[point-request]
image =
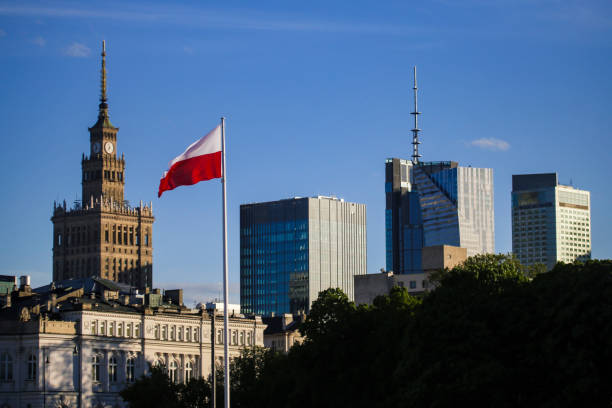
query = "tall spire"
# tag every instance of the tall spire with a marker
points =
(103, 77)
(103, 118)
(415, 130)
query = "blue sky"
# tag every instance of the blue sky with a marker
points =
(317, 95)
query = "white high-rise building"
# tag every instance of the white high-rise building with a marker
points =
(550, 222)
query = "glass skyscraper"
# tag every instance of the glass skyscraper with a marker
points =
(550, 222)
(290, 250)
(435, 203)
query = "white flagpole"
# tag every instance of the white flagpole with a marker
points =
(225, 276)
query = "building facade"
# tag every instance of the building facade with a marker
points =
(80, 343)
(550, 222)
(290, 250)
(283, 331)
(435, 203)
(102, 235)
(434, 258)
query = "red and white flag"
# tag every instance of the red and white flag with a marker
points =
(201, 161)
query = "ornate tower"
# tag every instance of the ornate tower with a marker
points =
(102, 235)
(103, 171)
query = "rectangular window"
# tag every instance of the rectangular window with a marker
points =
(95, 368)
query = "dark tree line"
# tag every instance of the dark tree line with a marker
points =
(490, 334)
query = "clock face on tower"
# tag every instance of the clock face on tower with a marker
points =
(108, 147)
(96, 147)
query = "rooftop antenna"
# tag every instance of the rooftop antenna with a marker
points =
(415, 130)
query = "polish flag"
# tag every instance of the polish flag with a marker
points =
(201, 161)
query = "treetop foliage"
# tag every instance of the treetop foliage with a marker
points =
(492, 333)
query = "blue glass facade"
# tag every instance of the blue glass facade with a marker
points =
(274, 258)
(435, 203)
(292, 249)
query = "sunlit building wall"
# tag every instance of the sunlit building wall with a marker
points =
(290, 250)
(436, 203)
(550, 222)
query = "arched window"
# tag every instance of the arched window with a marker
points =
(188, 371)
(112, 369)
(95, 368)
(130, 368)
(6, 367)
(173, 333)
(172, 370)
(31, 375)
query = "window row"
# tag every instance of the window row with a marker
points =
(115, 329)
(125, 235)
(173, 367)
(176, 333)
(112, 368)
(237, 337)
(6, 367)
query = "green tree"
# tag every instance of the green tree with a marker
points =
(328, 312)
(154, 390)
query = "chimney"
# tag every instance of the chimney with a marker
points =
(24, 282)
(287, 319)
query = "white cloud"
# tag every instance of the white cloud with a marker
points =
(188, 50)
(2, 33)
(237, 19)
(41, 42)
(77, 50)
(491, 143)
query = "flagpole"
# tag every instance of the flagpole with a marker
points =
(225, 276)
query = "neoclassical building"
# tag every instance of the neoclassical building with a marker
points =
(79, 342)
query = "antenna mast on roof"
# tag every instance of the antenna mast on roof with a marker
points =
(415, 130)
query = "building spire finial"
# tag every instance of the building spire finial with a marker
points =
(103, 99)
(415, 130)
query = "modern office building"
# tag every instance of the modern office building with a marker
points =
(550, 222)
(435, 203)
(102, 234)
(290, 250)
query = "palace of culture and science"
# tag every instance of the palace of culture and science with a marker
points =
(103, 236)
